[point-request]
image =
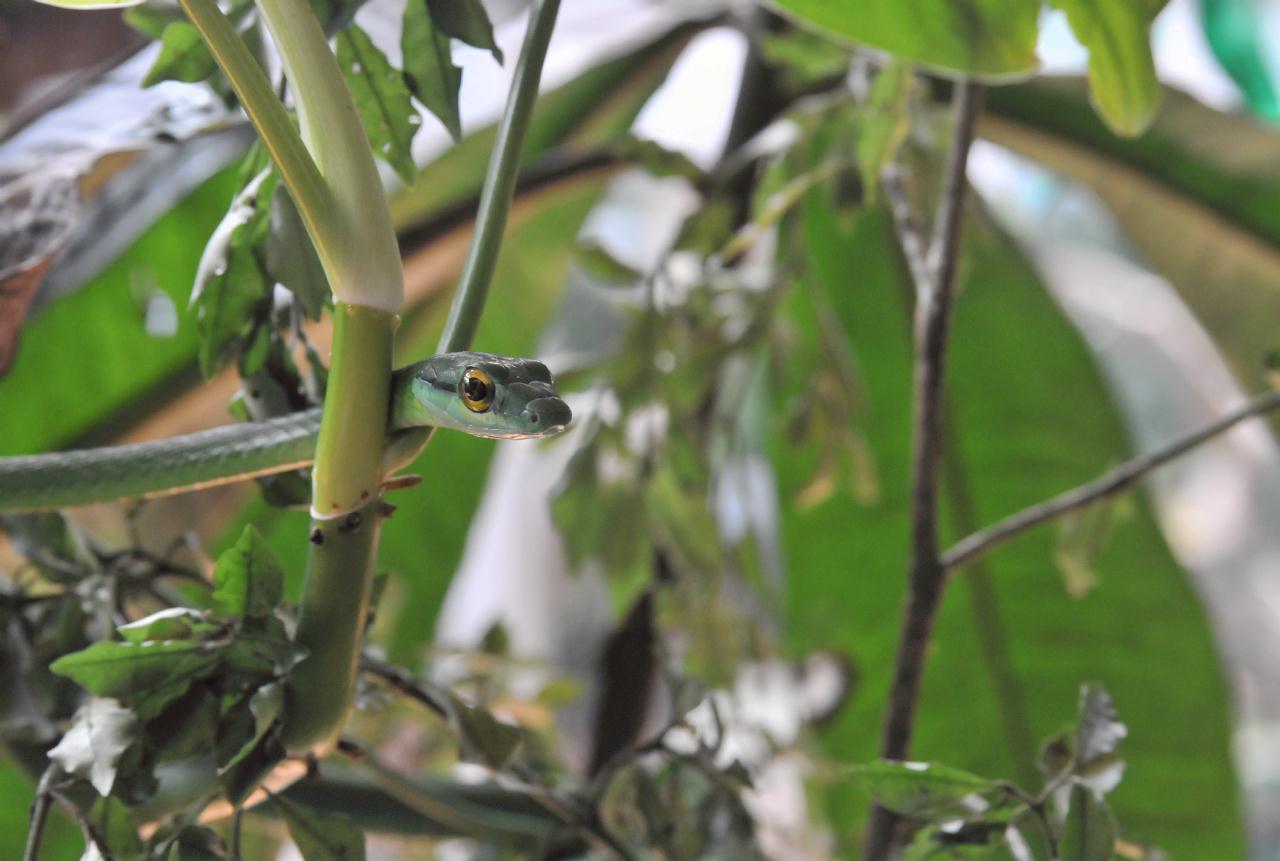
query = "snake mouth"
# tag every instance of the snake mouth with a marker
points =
(545, 416)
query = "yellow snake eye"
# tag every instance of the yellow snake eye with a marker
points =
(476, 390)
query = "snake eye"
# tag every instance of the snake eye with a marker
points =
(476, 390)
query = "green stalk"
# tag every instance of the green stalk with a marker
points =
(499, 182)
(345, 213)
(365, 244)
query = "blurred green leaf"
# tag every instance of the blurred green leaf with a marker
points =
(291, 257)
(1209, 178)
(1238, 37)
(328, 837)
(979, 710)
(173, 623)
(1122, 74)
(428, 66)
(248, 582)
(917, 788)
(381, 98)
(883, 123)
(467, 21)
(183, 56)
(975, 37)
(231, 290)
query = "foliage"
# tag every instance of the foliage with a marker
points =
(738, 483)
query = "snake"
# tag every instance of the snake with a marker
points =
(480, 394)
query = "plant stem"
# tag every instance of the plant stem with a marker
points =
(365, 258)
(1106, 485)
(499, 182)
(40, 813)
(347, 512)
(926, 576)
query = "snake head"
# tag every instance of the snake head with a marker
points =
(481, 394)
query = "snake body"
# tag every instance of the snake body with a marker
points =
(477, 393)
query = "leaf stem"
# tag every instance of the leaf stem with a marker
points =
(926, 575)
(365, 264)
(500, 182)
(1106, 485)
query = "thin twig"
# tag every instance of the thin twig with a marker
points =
(40, 813)
(1109, 484)
(926, 576)
(404, 683)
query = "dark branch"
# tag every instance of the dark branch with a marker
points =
(1109, 484)
(926, 575)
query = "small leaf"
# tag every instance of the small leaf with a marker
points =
(117, 827)
(883, 123)
(466, 21)
(231, 290)
(183, 56)
(484, 738)
(381, 98)
(99, 735)
(173, 623)
(917, 788)
(127, 671)
(428, 66)
(248, 582)
(1122, 75)
(292, 258)
(327, 837)
(1089, 833)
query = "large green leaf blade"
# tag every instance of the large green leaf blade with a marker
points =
(1208, 178)
(971, 37)
(1028, 417)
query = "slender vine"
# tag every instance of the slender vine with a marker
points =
(935, 297)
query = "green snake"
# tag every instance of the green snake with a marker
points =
(478, 393)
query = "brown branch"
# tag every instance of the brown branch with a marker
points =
(1108, 484)
(926, 575)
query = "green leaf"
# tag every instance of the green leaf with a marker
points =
(484, 738)
(231, 289)
(1011, 648)
(327, 837)
(127, 671)
(1089, 833)
(883, 123)
(467, 21)
(972, 37)
(174, 623)
(1122, 74)
(183, 56)
(917, 788)
(98, 737)
(291, 256)
(115, 824)
(428, 66)
(381, 98)
(248, 582)
(1209, 178)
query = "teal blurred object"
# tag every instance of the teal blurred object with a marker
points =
(1235, 32)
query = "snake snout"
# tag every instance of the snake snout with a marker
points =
(547, 415)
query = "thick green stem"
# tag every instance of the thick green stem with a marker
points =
(346, 514)
(366, 257)
(500, 182)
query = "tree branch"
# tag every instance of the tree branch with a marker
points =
(926, 575)
(1108, 484)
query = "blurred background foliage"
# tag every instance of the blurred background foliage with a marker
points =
(702, 249)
